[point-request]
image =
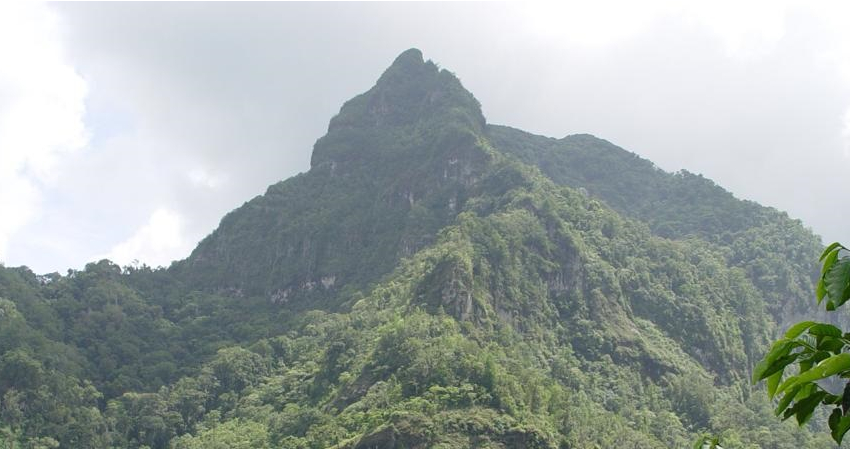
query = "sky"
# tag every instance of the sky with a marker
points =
(128, 130)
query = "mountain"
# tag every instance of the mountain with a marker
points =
(433, 280)
(778, 253)
(394, 168)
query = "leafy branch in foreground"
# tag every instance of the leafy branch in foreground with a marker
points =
(707, 441)
(820, 352)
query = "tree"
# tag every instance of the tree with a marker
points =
(236, 368)
(234, 433)
(819, 351)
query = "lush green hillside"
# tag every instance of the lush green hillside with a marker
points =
(431, 281)
(778, 253)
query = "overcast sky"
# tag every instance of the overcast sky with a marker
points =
(127, 130)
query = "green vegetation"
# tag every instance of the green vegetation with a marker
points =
(432, 281)
(819, 352)
(777, 253)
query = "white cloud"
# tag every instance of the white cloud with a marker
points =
(41, 111)
(745, 29)
(846, 134)
(18, 197)
(199, 107)
(203, 178)
(596, 23)
(742, 28)
(156, 243)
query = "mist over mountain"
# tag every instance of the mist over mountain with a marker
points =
(433, 280)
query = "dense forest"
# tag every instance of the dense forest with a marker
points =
(433, 280)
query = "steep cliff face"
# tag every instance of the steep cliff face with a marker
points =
(396, 165)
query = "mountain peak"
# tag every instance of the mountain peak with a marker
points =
(411, 93)
(411, 90)
(409, 58)
(409, 65)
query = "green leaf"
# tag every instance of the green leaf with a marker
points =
(804, 408)
(828, 262)
(809, 362)
(780, 349)
(829, 249)
(831, 344)
(798, 329)
(831, 399)
(837, 281)
(828, 367)
(821, 290)
(699, 442)
(779, 366)
(807, 390)
(838, 424)
(845, 398)
(825, 329)
(834, 418)
(773, 383)
(812, 360)
(707, 441)
(786, 400)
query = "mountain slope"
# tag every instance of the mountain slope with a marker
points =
(778, 253)
(431, 281)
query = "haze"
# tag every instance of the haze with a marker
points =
(127, 130)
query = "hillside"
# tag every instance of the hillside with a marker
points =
(432, 280)
(778, 253)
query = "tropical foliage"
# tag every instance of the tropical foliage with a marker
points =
(819, 352)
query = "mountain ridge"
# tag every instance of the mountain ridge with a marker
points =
(432, 280)
(433, 142)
